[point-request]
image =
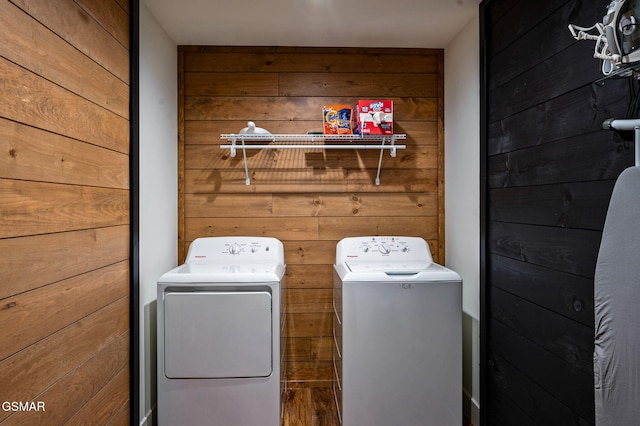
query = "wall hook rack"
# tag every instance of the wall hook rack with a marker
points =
(309, 141)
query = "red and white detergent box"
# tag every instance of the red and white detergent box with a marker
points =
(374, 117)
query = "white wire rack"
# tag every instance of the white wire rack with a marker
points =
(311, 141)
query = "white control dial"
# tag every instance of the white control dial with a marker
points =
(383, 249)
(235, 248)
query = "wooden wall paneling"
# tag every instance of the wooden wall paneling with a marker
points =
(355, 204)
(291, 108)
(124, 4)
(208, 132)
(264, 181)
(32, 370)
(113, 16)
(585, 158)
(231, 84)
(35, 208)
(54, 257)
(72, 23)
(510, 20)
(220, 205)
(557, 377)
(566, 294)
(572, 205)
(204, 157)
(362, 85)
(440, 256)
(527, 50)
(310, 373)
(573, 114)
(532, 87)
(310, 276)
(310, 324)
(392, 180)
(107, 404)
(38, 49)
(37, 155)
(511, 384)
(308, 198)
(29, 99)
(182, 178)
(564, 249)
(337, 228)
(549, 174)
(310, 291)
(75, 389)
(504, 412)
(65, 195)
(568, 339)
(281, 228)
(309, 60)
(309, 300)
(123, 415)
(36, 314)
(310, 348)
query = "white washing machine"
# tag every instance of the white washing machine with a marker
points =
(219, 333)
(398, 334)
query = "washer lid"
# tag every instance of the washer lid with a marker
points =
(351, 271)
(388, 258)
(389, 268)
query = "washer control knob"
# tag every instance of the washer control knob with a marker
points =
(383, 249)
(234, 248)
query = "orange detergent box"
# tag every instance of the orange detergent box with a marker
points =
(337, 119)
(374, 117)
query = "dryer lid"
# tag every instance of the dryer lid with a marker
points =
(215, 272)
(230, 260)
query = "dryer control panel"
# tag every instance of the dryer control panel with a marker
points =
(247, 250)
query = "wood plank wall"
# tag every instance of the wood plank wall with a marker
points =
(550, 172)
(64, 210)
(308, 199)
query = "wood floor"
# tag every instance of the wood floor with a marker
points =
(309, 406)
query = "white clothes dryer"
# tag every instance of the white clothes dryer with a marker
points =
(219, 331)
(398, 334)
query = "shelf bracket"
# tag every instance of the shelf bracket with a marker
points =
(247, 179)
(232, 149)
(380, 161)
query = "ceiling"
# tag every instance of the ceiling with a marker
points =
(329, 23)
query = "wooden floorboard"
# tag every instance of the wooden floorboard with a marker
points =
(309, 407)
